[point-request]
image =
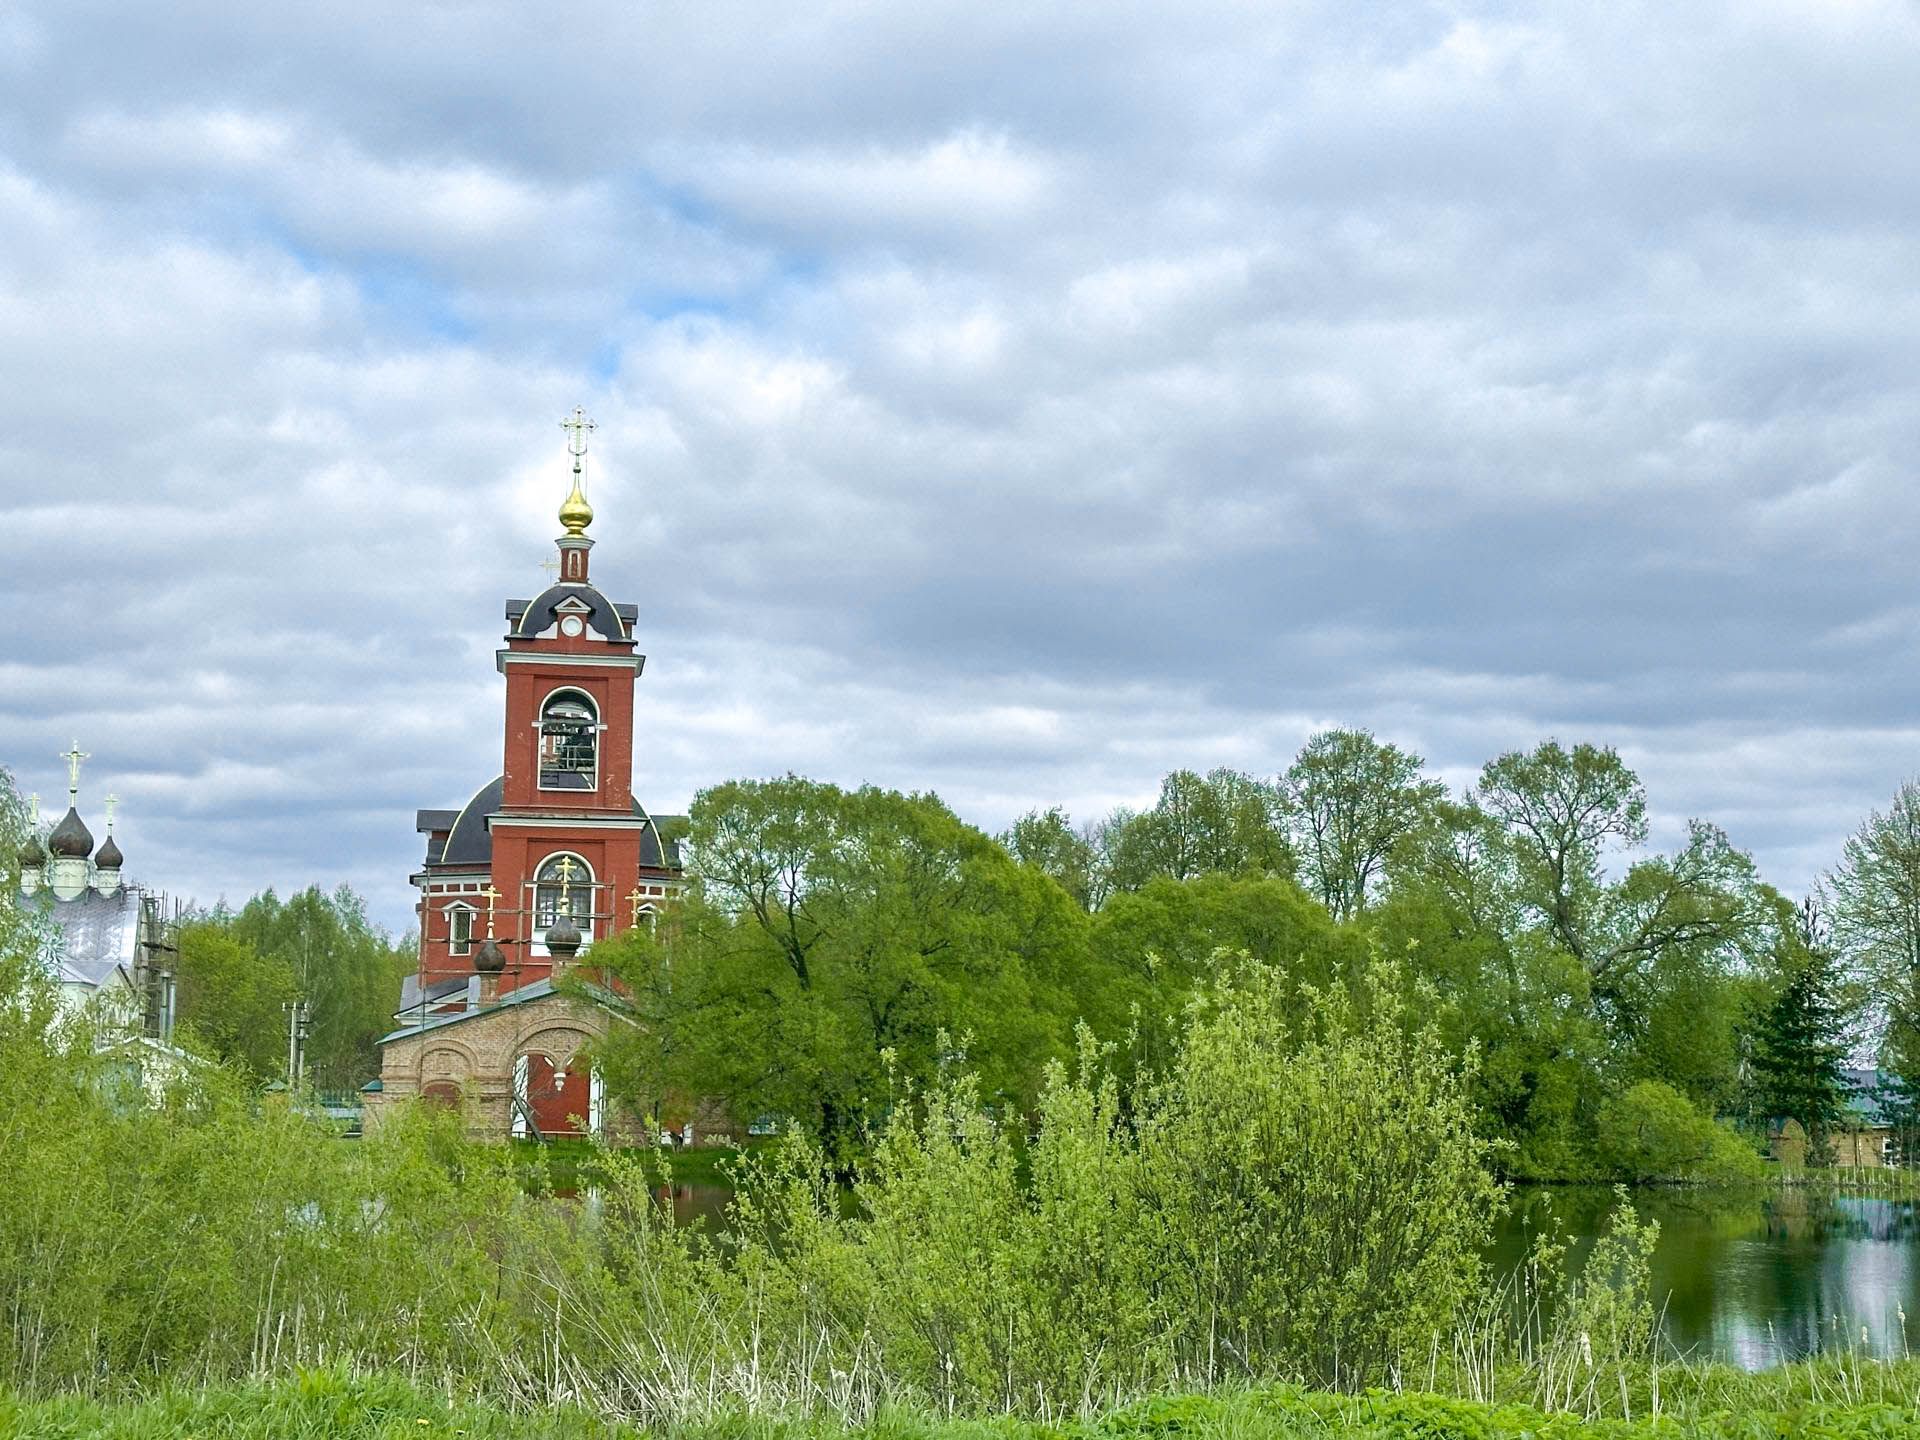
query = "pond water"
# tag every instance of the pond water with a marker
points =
(1755, 1277)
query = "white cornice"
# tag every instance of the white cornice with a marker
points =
(503, 658)
(569, 822)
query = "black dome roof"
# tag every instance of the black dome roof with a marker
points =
(602, 614)
(70, 837)
(109, 857)
(30, 852)
(489, 959)
(470, 844)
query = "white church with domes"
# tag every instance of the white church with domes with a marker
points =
(107, 943)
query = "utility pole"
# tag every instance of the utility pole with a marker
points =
(299, 1026)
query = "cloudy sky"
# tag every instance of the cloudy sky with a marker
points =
(1015, 401)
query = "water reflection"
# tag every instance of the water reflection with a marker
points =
(703, 1205)
(1755, 1277)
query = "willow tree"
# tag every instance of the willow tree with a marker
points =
(835, 946)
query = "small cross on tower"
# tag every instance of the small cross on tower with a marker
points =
(566, 883)
(493, 897)
(73, 758)
(635, 900)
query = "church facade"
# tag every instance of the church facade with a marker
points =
(553, 853)
(107, 943)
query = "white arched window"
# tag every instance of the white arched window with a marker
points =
(459, 928)
(569, 742)
(579, 891)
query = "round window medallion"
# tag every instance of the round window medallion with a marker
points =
(571, 626)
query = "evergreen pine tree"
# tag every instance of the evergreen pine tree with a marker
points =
(1801, 1040)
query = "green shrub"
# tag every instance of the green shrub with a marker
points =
(1653, 1132)
(1316, 1201)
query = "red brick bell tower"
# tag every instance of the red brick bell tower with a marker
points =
(559, 833)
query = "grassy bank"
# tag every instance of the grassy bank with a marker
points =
(1825, 1401)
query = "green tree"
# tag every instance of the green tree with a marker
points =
(1560, 812)
(1801, 1040)
(1501, 987)
(1652, 1132)
(1223, 821)
(830, 939)
(345, 966)
(1575, 982)
(1875, 902)
(13, 833)
(234, 999)
(1151, 949)
(1047, 841)
(1348, 801)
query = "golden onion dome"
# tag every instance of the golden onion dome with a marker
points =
(575, 513)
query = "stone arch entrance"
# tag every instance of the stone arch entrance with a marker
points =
(551, 1095)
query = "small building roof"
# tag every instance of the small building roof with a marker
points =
(99, 934)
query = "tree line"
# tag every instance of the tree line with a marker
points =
(1630, 1011)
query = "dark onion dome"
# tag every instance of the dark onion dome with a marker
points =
(611, 620)
(109, 857)
(563, 938)
(71, 838)
(489, 959)
(30, 853)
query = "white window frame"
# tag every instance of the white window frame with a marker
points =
(540, 742)
(455, 945)
(584, 886)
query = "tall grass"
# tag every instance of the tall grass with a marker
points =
(1300, 1200)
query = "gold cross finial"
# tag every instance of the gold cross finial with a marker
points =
(578, 427)
(33, 810)
(493, 896)
(112, 801)
(73, 758)
(575, 513)
(566, 881)
(635, 899)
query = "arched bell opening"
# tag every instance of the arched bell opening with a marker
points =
(569, 742)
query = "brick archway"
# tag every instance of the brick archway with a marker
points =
(553, 1095)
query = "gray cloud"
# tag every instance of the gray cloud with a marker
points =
(1012, 403)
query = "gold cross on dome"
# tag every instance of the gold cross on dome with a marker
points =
(33, 813)
(566, 881)
(493, 896)
(113, 802)
(73, 758)
(636, 900)
(578, 427)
